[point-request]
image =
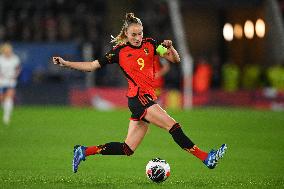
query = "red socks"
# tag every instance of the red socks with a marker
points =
(92, 150)
(198, 153)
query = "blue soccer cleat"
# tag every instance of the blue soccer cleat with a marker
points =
(79, 155)
(214, 156)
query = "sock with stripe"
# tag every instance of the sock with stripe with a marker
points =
(112, 148)
(185, 143)
(198, 153)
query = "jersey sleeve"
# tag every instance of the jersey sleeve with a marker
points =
(109, 58)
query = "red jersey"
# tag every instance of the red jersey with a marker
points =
(137, 64)
(159, 82)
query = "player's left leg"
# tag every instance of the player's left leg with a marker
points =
(8, 104)
(158, 116)
(136, 133)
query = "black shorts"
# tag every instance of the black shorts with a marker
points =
(138, 106)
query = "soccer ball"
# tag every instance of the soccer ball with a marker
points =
(157, 170)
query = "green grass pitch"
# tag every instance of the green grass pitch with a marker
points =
(36, 149)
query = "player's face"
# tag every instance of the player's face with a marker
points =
(134, 34)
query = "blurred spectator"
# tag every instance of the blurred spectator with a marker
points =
(251, 76)
(2, 32)
(275, 75)
(9, 71)
(48, 21)
(50, 27)
(202, 76)
(231, 76)
(64, 28)
(216, 69)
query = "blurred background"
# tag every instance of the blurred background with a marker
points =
(232, 51)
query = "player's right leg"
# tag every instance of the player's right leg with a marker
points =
(136, 133)
(156, 115)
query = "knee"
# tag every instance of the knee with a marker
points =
(170, 122)
(127, 150)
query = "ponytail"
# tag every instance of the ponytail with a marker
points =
(121, 37)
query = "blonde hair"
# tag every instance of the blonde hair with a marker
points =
(6, 46)
(121, 37)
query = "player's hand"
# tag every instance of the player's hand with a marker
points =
(58, 60)
(167, 43)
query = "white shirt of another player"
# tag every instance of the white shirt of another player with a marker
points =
(8, 70)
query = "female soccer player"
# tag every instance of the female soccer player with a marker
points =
(9, 71)
(135, 57)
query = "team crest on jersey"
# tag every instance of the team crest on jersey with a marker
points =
(146, 50)
(109, 57)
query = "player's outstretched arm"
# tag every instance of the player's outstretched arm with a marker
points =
(171, 55)
(82, 66)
